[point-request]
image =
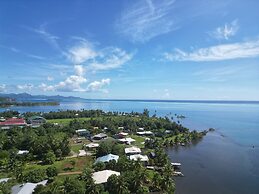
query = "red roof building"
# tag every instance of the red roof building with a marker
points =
(13, 122)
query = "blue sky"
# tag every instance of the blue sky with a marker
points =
(150, 49)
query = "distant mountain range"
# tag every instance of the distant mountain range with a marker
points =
(29, 97)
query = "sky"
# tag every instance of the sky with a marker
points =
(131, 49)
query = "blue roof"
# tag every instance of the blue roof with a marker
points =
(107, 158)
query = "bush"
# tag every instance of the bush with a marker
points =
(34, 176)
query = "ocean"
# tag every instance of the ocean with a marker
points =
(225, 161)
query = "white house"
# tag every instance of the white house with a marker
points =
(142, 158)
(132, 150)
(102, 176)
(27, 188)
(127, 140)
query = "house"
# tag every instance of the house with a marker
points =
(92, 145)
(127, 140)
(107, 158)
(99, 136)
(3, 180)
(12, 122)
(141, 129)
(82, 153)
(36, 120)
(83, 132)
(21, 152)
(136, 157)
(132, 150)
(122, 134)
(102, 176)
(147, 133)
(27, 188)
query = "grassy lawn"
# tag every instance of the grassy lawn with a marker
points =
(65, 121)
(76, 147)
(66, 165)
(138, 141)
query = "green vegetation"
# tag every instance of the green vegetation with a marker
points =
(14, 103)
(53, 152)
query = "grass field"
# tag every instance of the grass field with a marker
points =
(66, 165)
(65, 121)
(138, 141)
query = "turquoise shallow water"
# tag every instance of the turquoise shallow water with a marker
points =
(225, 161)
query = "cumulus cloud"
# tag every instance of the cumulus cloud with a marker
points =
(50, 78)
(226, 31)
(145, 20)
(98, 85)
(70, 84)
(25, 87)
(81, 52)
(217, 53)
(46, 87)
(2, 87)
(79, 70)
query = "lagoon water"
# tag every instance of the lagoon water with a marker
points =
(223, 162)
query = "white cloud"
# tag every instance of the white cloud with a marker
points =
(98, 85)
(2, 87)
(110, 58)
(79, 69)
(81, 52)
(35, 56)
(166, 93)
(25, 87)
(48, 37)
(226, 31)
(46, 88)
(217, 53)
(93, 59)
(50, 78)
(145, 20)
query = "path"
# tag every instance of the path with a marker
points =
(69, 173)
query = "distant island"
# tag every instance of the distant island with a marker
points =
(7, 102)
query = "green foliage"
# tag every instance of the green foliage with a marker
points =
(49, 158)
(117, 185)
(99, 166)
(73, 186)
(51, 171)
(34, 176)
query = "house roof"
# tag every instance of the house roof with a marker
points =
(132, 150)
(82, 130)
(128, 139)
(92, 145)
(100, 135)
(13, 121)
(20, 152)
(4, 180)
(144, 132)
(82, 153)
(107, 158)
(36, 117)
(27, 188)
(123, 133)
(102, 176)
(142, 158)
